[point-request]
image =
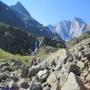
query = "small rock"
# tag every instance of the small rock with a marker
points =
(42, 75)
(3, 64)
(25, 72)
(88, 77)
(85, 73)
(46, 86)
(35, 86)
(81, 64)
(75, 69)
(34, 70)
(25, 85)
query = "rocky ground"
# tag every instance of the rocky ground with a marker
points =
(66, 69)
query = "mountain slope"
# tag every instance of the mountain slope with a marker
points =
(18, 16)
(15, 40)
(9, 17)
(31, 25)
(63, 28)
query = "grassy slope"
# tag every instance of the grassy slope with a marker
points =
(77, 40)
(8, 56)
(41, 54)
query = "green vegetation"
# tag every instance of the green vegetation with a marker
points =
(16, 44)
(41, 54)
(44, 52)
(77, 40)
(15, 40)
(8, 56)
(54, 43)
(5, 55)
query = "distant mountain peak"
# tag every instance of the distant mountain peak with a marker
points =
(19, 4)
(79, 20)
(68, 29)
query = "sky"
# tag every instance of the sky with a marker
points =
(53, 11)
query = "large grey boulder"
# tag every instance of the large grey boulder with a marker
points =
(57, 79)
(73, 83)
(59, 57)
(35, 69)
(52, 80)
(62, 74)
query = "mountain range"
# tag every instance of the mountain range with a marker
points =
(18, 16)
(70, 29)
(21, 33)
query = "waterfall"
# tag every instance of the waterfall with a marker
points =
(37, 44)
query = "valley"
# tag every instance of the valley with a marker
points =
(38, 57)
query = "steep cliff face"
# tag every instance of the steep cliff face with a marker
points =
(78, 27)
(9, 17)
(15, 40)
(71, 29)
(32, 25)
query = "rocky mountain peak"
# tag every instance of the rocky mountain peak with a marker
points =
(19, 8)
(78, 19)
(2, 5)
(19, 3)
(69, 29)
(78, 26)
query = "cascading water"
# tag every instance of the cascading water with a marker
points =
(36, 45)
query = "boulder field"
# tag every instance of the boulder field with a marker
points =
(65, 69)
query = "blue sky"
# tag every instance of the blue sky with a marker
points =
(52, 11)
